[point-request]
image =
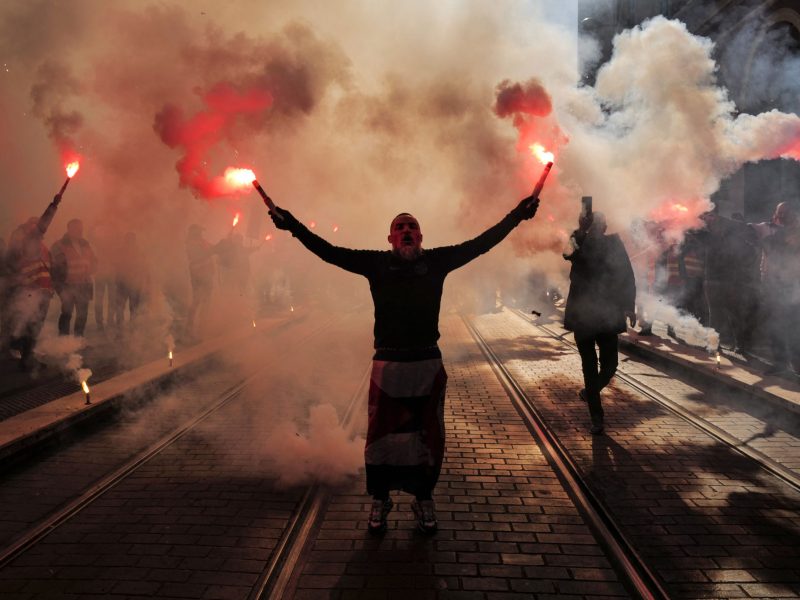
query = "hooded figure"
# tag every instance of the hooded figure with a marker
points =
(602, 293)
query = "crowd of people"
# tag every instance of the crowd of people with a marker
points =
(32, 274)
(740, 279)
(109, 269)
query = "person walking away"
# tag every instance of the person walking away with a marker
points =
(131, 278)
(74, 263)
(29, 263)
(405, 432)
(602, 294)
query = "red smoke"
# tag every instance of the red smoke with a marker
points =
(54, 87)
(200, 133)
(519, 99)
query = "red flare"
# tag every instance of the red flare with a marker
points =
(72, 168)
(542, 155)
(238, 179)
(312, 224)
(235, 220)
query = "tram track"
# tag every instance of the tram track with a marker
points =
(641, 581)
(279, 571)
(67, 511)
(765, 462)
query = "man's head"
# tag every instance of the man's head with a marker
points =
(784, 215)
(405, 236)
(599, 224)
(75, 229)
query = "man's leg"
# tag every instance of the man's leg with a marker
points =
(588, 355)
(609, 358)
(67, 306)
(33, 326)
(82, 298)
(100, 290)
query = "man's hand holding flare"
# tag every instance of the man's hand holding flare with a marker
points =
(268, 201)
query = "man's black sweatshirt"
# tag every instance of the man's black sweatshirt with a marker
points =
(407, 293)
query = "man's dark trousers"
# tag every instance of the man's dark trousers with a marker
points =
(594, 379)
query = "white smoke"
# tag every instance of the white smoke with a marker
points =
(687, 327)
(63, 353)
(325, 453)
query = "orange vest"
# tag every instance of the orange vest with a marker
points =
(34, 272)
(674, 278)
(693, 265)
(79, 264)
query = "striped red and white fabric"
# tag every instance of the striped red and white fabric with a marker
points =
(405, 433)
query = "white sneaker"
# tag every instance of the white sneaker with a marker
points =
(377, 515)
(425, 511)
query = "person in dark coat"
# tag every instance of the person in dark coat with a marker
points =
(405, 432)
(602, 293)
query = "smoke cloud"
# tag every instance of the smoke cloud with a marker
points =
(350, 114)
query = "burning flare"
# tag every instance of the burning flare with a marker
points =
(72, 168)
(268, 238)
(239, 180)
(85, 387)
(541, 154)
(235, 220)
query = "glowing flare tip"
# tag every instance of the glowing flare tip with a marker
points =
(239, 179)
(236, 220)
(85, 387)
(541, 154)
(72, 168)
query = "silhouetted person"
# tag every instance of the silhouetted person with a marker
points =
(234, 262)
(780, 280)
(201, 273)
(731, 278)
(74, 263)
(130, 278)
(602, 293)
(405, 435)
(105, 240)
(28, 262)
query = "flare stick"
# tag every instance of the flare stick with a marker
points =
(267, 200)
(64, 187)
(540, 184)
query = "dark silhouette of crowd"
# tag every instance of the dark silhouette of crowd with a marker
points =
(741, 279)
(31, 274)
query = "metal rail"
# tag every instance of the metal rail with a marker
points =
(765, 462)
(106, 483)
(277, 575)
(640, 580)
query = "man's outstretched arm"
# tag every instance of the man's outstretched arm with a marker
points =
(459, 255)
(355, 261)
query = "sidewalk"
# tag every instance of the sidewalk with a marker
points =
(32, 427)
